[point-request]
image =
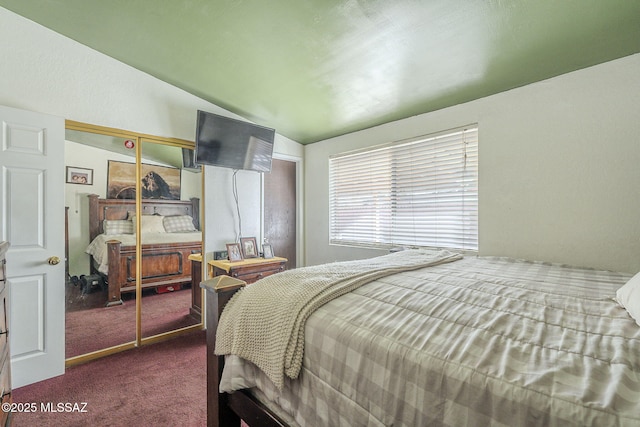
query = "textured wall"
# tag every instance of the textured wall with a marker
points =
(558, 171)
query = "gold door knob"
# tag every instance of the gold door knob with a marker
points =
(54, 260)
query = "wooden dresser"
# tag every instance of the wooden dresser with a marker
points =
(5, 362)
(249, 270)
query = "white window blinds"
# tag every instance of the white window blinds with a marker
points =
(420, 192)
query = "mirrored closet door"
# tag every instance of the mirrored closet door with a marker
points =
(171, 237)
(116, 269)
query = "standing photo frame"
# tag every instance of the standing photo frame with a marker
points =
(267, 251)
(249, 247)
(234, 251)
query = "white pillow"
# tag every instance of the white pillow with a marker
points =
(150, 223)
(628, 296)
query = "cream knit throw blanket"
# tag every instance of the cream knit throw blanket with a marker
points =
(264, 322)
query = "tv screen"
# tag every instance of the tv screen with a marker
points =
(231, 143)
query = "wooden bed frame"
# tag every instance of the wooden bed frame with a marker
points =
(163, 264)
(227, 409)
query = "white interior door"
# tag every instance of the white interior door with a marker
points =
(32, 220)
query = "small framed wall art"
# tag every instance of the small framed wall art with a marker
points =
(79, 175)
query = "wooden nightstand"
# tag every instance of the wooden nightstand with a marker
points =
(249, 270)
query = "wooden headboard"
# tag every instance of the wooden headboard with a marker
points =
(101, 209)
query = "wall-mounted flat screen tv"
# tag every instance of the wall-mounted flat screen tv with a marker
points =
(231, 143)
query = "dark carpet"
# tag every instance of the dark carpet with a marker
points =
(91, 326)
(162, 384)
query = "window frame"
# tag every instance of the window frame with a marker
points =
(449, 157)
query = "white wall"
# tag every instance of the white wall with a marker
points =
(45, 72)
(559, 171)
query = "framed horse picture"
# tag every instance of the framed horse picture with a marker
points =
(158, 182)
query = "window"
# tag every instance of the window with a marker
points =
(418, 192)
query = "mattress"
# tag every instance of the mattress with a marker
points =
(98, 247)
(480, 341)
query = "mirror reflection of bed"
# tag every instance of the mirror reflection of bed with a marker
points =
(101, 299)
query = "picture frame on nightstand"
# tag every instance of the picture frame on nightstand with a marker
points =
(234, 251)
(249, 247)
(267, 251)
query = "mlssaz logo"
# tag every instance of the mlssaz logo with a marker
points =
(63, 407)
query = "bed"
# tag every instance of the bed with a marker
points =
(460, 341)
(165, 250)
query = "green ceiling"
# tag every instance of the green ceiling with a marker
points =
(313, 69)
